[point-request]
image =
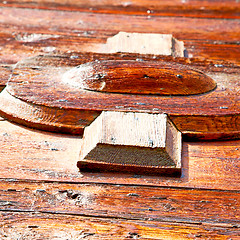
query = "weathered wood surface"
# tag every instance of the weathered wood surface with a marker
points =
(196, 8)
(5, 71)
(33, 226)
(134, 77)
(143, 43)
(137, 143)
(30, 154)
(123, 202)
(51, 107)
(210, 31)
(206, 38)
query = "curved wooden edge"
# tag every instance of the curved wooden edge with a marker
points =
(70, 121)
(135, 77)
(45, 118)
(208, 127)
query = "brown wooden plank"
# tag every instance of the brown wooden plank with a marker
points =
(123, 202)
(221, 126)
(181, 28)
(105, 211)
(21, 43)
(47, 226)
(196, 8)
(214, 50)
(28, 154)
(14, 50)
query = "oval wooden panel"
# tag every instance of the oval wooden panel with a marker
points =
(40, 82)
(138, 77)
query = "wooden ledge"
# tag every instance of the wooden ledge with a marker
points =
(131, 143)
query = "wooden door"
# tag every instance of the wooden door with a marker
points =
(43, 193)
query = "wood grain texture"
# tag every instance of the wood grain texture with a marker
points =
(62, 91)
(207, 128)
(32, 72)
(210, 31)
(227, 72)
(137, 143)
(196, 8)
(143, 43)
(28, 154)
(213, 50)
(134, 77)
(123, 202)
(23, 43)
(21, 39)
(46, 226)
(5, 71)
(45, 118)
(72, 23)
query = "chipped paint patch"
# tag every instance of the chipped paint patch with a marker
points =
(35, 37)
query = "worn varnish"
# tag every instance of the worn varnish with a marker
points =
(53, 157)
(196, 8)
(124, 202)
(64, 92)
(47, 226)
(202, 204)
(132, 77)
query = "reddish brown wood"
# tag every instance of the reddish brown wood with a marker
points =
(46, 226)
(196, 8)
(207, 128)
(214, 50)
(152, 77)
(28, 74)
(5, 71)
(57, 93)
(51, 119)
(30, 154)
(74, 23)
(15, 49)
(210, 31)
(124, 202)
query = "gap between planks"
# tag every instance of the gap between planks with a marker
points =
(224, 225)
(18, 180)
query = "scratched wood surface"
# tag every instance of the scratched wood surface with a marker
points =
(196, 8)
(31, 154)
(31, 225)
(42, 193)
(211, 115)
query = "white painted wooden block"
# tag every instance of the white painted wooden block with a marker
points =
(140, 139)
(143, 43)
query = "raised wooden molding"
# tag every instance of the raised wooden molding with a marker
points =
(51, 119)
(133, 143)
(136, 77)
(43, 93)
(143, 43)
